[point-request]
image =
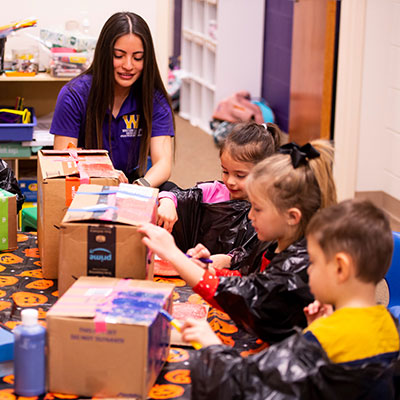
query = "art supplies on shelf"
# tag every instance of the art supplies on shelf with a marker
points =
(68, 63)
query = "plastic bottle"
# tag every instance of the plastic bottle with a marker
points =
(29, 355)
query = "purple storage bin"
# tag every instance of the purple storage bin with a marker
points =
(18, 132)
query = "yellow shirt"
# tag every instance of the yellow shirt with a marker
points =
(353, 334)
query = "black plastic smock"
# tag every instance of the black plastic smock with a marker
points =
(295, 368)
(9, 182)
(270, 304)
(220, 227)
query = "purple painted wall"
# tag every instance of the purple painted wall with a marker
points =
(177, 28)
(277, 58)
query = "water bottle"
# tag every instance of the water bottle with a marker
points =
(29, 355)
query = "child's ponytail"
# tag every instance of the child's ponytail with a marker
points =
(322, 170)
(276, 134)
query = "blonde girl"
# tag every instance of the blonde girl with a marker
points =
(285, 191)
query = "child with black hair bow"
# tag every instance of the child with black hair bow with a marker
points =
(285, 191)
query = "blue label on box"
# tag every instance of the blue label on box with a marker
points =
(29, 189)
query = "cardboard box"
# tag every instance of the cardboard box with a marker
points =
(8, 220)
(59, 175)
(99, 237)
(107, 338)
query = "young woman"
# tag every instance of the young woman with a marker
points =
(120, 104)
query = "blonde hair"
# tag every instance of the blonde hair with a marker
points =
(308, 187)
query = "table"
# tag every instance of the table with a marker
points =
(22, 285)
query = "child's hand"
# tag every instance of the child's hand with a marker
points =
(200, 251)
(317, 310)
(158, 240)
(221, 261)
(199, 331)
(167, 215)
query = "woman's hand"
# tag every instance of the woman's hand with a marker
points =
(199, 331)
(167, 215)
(317, 310)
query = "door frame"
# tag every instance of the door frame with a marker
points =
(349, 95)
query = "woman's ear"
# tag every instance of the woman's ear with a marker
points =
(293, 216)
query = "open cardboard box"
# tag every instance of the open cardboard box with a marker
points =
(59, 174)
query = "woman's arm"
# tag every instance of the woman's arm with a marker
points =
(161, 159)
(62, 142)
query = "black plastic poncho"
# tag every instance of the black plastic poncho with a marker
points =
(220, 227)
(270, 304)
(9, 182)
(293, 369)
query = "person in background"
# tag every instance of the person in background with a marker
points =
(245, 146)
(285, 191)
(120, 104)
(346, 353)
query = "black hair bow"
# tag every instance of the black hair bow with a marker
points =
(299, 155)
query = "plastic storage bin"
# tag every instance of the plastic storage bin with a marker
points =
(18, 132)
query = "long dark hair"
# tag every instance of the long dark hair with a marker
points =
(252, 142)
(101, 95)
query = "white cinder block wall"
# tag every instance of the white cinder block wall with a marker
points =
(379, 141)
(51, 14)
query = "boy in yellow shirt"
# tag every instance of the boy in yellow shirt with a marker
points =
(349, 353)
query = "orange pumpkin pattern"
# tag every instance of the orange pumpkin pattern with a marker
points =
(21, 237)
(32, 253)
(174, 281)
(177, 354)
(4, 305)
(181, 376)
(10, 258)
(34, 273)
(22, 283)
(28, 299)
(7, 280)
(9, 379)
(40, 284)
(166, 391)
(7, 394)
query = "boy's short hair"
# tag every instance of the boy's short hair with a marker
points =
(360, 229)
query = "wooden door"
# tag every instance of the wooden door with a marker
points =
(312, 70)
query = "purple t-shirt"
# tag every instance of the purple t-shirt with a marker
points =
(70, 116)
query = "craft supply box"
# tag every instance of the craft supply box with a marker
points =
(106, 337)
(99, 237)
(59, 175)
(8, 220)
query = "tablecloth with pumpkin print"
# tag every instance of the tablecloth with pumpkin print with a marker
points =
(22, 285)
